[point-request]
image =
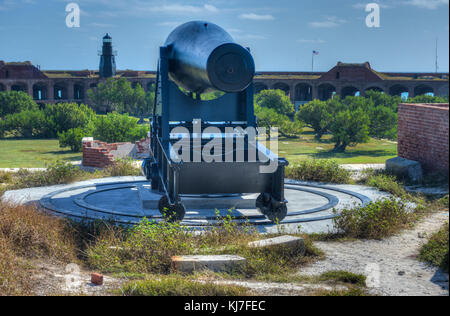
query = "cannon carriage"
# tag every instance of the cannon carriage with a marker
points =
(200, 57)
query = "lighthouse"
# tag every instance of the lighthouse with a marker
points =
(107, 59)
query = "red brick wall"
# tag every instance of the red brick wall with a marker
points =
(423, 134)
(98, 154)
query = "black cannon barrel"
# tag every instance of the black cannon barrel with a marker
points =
(203, 57)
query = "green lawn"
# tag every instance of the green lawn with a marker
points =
(376, 151)
(36, 153)
(33, 153)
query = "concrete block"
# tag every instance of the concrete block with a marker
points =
(405, 168)
(291, 242)
(223, 263)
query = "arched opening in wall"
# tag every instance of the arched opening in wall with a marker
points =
(260, 87)
(40, 91)
(60, 91)
(350, 92)
(326, 91)
(2, 87)
(399, 90)
(442, 91)
(303, 92)
(283, 87)
(19, 87)
(376, 89)
(134, 84)
(78, 91)
(423, 89)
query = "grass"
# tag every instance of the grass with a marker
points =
(307, 148)
(36, 153)
(436, 250)
(62, 173)
(344, 277)
(179, 286)
(25, 235)
(148, 248)
(341, 293)
(33, 153)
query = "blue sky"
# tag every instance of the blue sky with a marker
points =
(282, 34)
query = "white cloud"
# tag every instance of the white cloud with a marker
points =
(329, 22)
(256, 17)
(427, 4)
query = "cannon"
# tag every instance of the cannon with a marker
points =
(197, 58)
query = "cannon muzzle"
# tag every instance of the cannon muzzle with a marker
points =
(203, 57)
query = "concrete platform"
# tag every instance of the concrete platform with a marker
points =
(291, 242)
(224, 263)
(121, 200)
(150, 200)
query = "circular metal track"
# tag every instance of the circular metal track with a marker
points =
(82, 210)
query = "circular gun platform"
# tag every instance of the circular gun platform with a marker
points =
(129, 202)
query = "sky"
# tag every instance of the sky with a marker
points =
(281, 34)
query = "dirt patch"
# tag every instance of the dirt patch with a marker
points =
(391, 264)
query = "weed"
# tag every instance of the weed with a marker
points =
(318, 170)
(178, 286)
(377, 220)
(436, 251)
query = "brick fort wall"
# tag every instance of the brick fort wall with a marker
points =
(423, 135)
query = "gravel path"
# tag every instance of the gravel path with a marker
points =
(390, 265)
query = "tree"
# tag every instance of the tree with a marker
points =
(115, 127)
(117, 95)
(275, 99)
(269, 119)
(350, 128)
(15, 102)
(316, 115)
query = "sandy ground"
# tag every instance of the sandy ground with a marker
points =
(390, 265)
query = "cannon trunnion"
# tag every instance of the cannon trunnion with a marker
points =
(201, 57)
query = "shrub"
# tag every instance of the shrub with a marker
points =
(15, 102)
(177, 286)
(436, 251)
(72, 138)
(122, 168)
(318, 170)
(377, 220)
(114, 128)
(65, 116)
(28, 124)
